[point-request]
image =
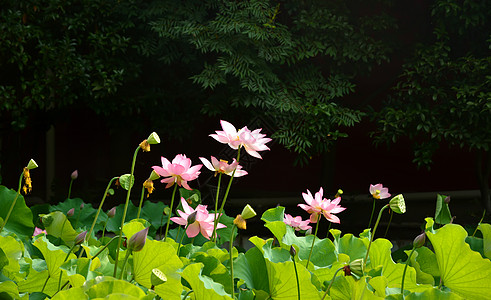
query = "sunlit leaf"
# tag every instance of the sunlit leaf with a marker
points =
(486, 234)
(203, 287)
(57, 225)
(20, 220)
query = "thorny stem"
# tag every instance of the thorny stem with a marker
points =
(170, 212)
(404, 272)
(332, 281)
(374, 229)
(313, 240)
(13, 203)
(125, 210)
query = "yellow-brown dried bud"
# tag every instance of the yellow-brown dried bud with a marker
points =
(145, 146)
(240, 222)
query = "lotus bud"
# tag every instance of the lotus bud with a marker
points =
(248, 212)
(447, 200)
(32, 165)
(74, 175)
(80, 237)
(419, 241)
(153, 138)
(397, 204)
(154, 175)
(82, 206)
(240, 222)
(112, 212)
(137, 241)
(157, 277)
(71, 212)
(192, 217)
(293, 251)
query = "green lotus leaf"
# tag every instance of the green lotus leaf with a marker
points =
(81, 218)
(347, 288)
(114, 287)
(274, 214)
(80, 266)
(8, 290)
(3, 259)
(442, 211)
(57, 225)
(214, 269)
(462, 270)
(251, 268)
(20, 220)
(421, 277)
(12, 250)
(427, 261)
(71, 294)
(153, 212)
(224, 233)
(380, 255)
(433, 293)
(113, 224)
(203, 287)
(349, 244)
(476, 244)
(126, 181)
(378, 285)
(486, 234)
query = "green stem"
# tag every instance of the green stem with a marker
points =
(404, 273)
(215, 222)
(125, 210)
(483, 214)
(182, 237)
(217, 219)
(332, 281)
(187, 294)
(70, 189)
(170, 212)
(104, 230)
(296, 275)
(98, 211)
(374, 229)
(105, 246)
(232, 260)
(371, 216)
(45, 282)
(388, 225)
(61, 271)
(62, 226)
(141, 202)
(128, 252)
(328, 228)
(13, 203)
(313, 240)
(78, 217)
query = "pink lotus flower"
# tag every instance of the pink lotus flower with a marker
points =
(203, 221)
(252, 141)
(297, 222)
(378, 191)
(38, 231)
(179, 171)
(317, 206)
(223, 166)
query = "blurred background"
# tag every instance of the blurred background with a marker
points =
(352, 94)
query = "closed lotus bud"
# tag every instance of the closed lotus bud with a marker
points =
(82, 206)
(71, 212)
(74, 175)
(357, 267)
(248, 212)
(137, 241)
(420, 240)
(80, 237)
(112, 212)
(192, 217)
(447, 200)
(32, 164)
(397, 204)
(157, 277)
(293, 251)
(240, 222)
(153, 138)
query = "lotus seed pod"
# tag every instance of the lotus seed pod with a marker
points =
(137, 241)
(248, 212)
(32, 164)
(74, 175)
(157, 277)
(71, 212)
(154, 176)
(153, 138)
(397, 204)
(357, 267)
(192, 217)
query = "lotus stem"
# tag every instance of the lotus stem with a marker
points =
(475, 230)
(388, 225)
(214, 235)
(374, 229)
(61, 271)
(404, 273)
(170, 212)
(332, 281)
(141, 202)
(105, 246)
(313, 241)
(125, 210)
(371, 215)
(13, 203)
(232, 260)
(296, 275)
(182, 237)
(70, 189)
(128, 252)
